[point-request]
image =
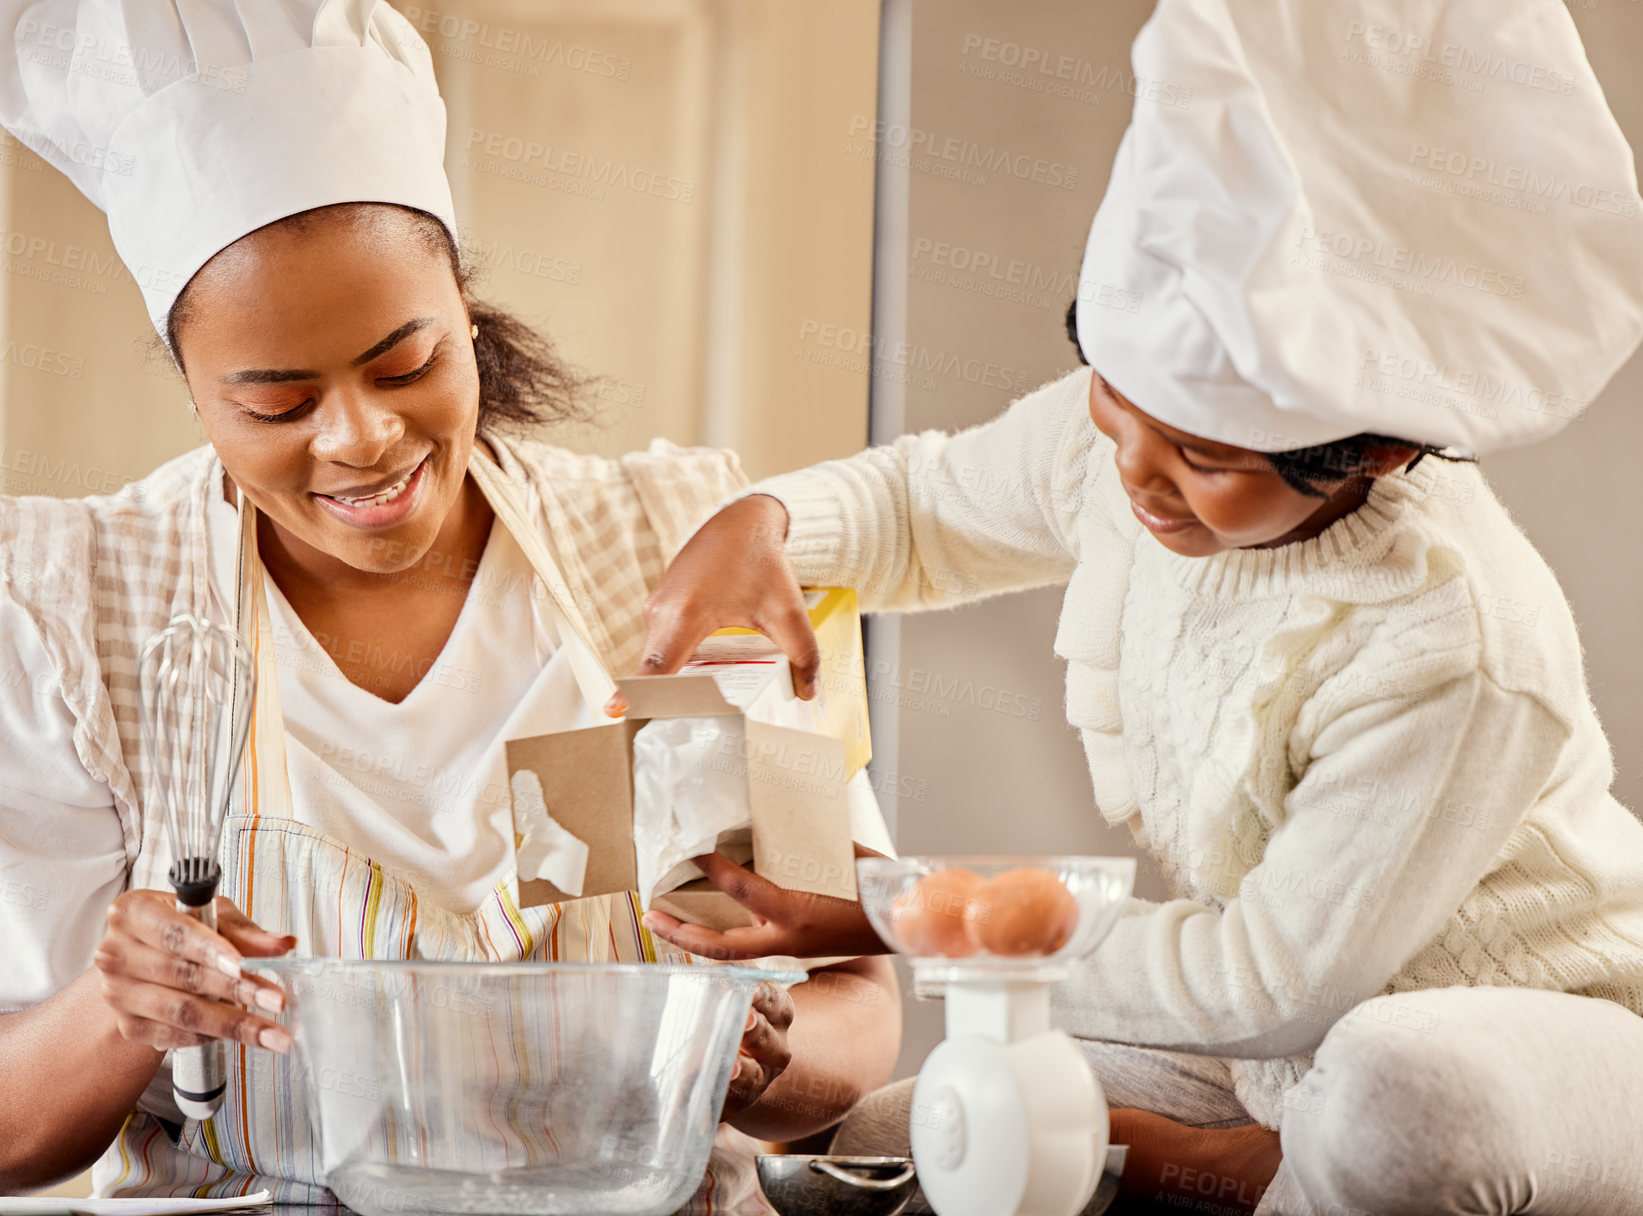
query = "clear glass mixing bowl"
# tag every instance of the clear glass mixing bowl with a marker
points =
(534, 1088)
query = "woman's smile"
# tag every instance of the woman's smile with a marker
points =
(372, 508)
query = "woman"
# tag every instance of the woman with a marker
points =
(1317, 671)
(365, 456)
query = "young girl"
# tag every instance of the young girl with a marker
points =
(1317, 670)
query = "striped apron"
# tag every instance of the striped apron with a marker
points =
(290, 878)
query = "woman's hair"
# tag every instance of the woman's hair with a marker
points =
(522, 379)
(1306, 470)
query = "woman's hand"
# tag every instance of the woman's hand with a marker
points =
(764, 1054)
(159, 966)
(785, 922)
(734, 571)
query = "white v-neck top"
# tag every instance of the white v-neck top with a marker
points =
(421, 787)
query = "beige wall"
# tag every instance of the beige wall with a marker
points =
(87, 400)
(1576, 494)
(686, 299)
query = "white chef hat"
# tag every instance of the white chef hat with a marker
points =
(1409, 217)
(194, 122)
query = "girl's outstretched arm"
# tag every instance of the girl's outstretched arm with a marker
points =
(935, 519)
(928, 521)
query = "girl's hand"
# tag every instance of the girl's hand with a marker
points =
(786, 922)
(764, 1054)
(734, 571)
(160, 965)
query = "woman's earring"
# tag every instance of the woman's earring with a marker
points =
(473, 332)
(193, 409)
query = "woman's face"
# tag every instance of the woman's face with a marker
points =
(333, 370)
(1198, 497)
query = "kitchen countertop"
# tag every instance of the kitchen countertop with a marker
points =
(1101, 1204)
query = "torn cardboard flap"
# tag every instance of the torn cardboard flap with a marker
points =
(791, 758)
(597, 812)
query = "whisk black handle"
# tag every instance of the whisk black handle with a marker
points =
(195, 881)
(199, 1075)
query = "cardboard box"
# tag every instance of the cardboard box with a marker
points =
(796, 757)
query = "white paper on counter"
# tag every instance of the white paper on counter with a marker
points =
(50, 1205)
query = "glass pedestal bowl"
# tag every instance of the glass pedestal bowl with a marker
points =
(1002, 917)
(1008, 1119)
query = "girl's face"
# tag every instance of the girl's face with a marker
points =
(1198, 497)
(333, 370)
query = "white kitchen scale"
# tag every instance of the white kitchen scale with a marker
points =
(1008, 1119)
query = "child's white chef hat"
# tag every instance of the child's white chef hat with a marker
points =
(194, 122)
(1410, 217)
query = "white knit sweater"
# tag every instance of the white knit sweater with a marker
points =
(1367, 762)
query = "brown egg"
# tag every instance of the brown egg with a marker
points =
(928, 917)
(1022, 911)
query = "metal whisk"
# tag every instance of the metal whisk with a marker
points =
(197, 684)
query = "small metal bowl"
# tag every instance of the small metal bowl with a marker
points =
(807, 1184)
